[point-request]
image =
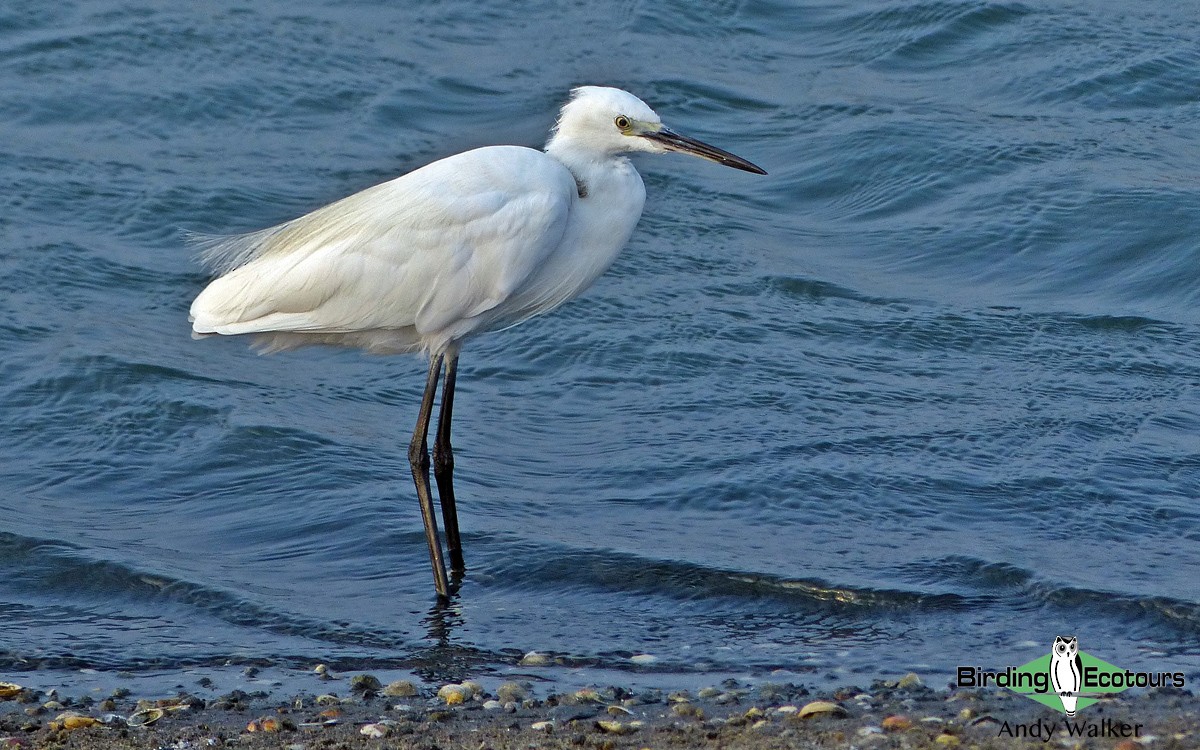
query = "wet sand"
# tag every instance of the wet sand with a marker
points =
(359, 712)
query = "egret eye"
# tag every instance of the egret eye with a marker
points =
(622, 122)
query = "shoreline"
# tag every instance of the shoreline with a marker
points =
(360, 711)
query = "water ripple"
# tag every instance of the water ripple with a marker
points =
(930, 385)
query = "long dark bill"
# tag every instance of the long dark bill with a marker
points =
(673, 141)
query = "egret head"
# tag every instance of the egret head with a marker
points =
(606, 121)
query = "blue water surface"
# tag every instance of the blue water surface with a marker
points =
(928, 394)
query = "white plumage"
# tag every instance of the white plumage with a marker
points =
(473, 242)
(476, 241)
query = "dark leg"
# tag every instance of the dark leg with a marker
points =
(418, 458)
(443, 466)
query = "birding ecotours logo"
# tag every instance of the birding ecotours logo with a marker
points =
(1067, 679)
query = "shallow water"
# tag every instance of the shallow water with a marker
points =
(925, 395)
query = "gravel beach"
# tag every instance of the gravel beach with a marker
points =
(358, 711)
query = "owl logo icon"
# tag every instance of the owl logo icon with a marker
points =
(1066, 671)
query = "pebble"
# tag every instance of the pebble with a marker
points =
(542, 726)
(493, 705)
(9, 690)
(365, 685)
(475, 688)
(896, 723)
(375, 730)
(71, 720)
(643, 659)
(771, 691)
(909, 681)
(586, 695)
(400, 689)
(534, 659)
(946, 740)
(145, 717)
(822, 708)
(687, 710)
(455, 695)
(511, 692)
(616, 727)
(708, 692)
(324, 672)
(266, 724)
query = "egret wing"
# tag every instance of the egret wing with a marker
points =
(429, 250)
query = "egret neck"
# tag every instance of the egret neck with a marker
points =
(603, 215)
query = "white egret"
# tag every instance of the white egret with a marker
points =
(474, 242)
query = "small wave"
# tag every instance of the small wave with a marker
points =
(611, 571)
(946, 585)
(1021, 589)
(952, 33)
(919, 35)
(1161, 82)
(64, 581)
(65, 571)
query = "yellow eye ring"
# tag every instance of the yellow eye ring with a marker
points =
(622, 122)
